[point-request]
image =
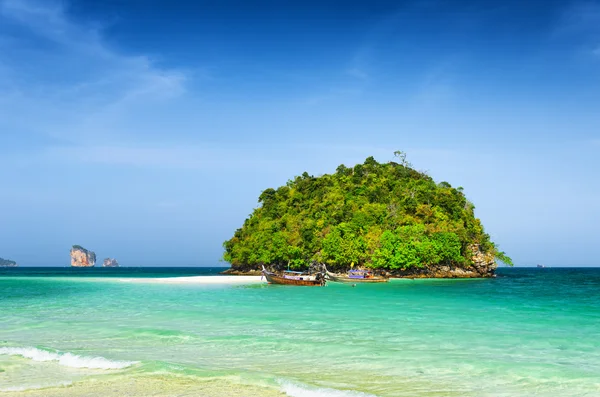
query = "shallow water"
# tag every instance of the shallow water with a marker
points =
(527, 332)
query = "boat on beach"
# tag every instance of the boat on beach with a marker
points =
(289, 277)
(356, 276)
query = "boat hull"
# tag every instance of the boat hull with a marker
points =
(274, 279)
(343, 279)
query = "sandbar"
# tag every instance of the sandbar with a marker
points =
(199, 280)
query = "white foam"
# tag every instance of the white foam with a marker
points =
(299, 390)
(65, 359)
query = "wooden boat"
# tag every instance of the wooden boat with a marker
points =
(356, 276)
(294, 278)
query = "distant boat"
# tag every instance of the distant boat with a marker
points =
(540, 266)
(289, 277)
(356, 276)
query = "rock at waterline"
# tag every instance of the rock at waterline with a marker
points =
(7, 263)
(110, 262)
(80, 257)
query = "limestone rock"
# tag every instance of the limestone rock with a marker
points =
(484, 263)
(484, 266)
(7, 263)
(242, 272)
(80, 257)
(110, 262)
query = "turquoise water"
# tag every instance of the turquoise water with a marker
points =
(527, 332)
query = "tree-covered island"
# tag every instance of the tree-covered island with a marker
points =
(387, 216)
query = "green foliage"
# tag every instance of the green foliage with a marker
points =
(386, 216)
(502, 257)
(412, 247)
(343, 245)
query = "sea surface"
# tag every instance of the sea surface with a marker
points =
(87, 332)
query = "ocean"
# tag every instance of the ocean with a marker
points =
(87, 332)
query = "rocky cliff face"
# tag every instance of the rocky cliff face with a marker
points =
(80, 257)
(484, 266)
(245, 271)
(109, 262)
(484, 263)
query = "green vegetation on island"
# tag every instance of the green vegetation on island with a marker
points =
(384, 216)
(7, 263)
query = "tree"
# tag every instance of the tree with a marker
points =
(401, 156)
(382, 215)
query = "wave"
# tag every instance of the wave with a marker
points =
(65, 359)
(299, 390)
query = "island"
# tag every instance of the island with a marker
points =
(387, 217)
(7, 263)
(81, 257)
(110, 262)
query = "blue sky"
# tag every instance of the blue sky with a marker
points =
(145, 130)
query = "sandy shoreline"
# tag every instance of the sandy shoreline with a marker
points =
(198, 280)
(161, 385)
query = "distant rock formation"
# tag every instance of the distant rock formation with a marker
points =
(7, 263)
(80, 257)
(109, 262)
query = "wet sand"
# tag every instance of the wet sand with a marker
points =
(157, 385)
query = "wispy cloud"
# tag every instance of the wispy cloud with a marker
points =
(257, 158)
(166, 157)
(437, 87)
(358, 73)
(364, 57)
(582, 20)
(174, 157)
(581, 16)
(68, 76)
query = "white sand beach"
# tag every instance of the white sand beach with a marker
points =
(199, 280)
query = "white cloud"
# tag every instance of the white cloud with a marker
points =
(192, 157)
(279, 158)
(160, 157)
(65, 74)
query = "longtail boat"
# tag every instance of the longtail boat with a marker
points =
(356, 276)
(294, 278)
